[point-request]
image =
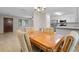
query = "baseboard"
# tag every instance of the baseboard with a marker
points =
(1, 33)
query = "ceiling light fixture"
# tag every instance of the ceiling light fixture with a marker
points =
(39, 9)
(58, 13)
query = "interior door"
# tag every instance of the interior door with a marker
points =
(8, 25)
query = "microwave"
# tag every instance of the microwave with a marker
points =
(63, 23)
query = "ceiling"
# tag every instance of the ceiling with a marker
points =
(28, 11)
(63, 10)
(17, 11)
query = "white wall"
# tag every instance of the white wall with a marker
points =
(68, 18)
(78, 14)
(1, 24)
(15, 23)
(41, 20)
(47, 20)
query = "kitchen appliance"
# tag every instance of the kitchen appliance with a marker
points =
(63, 23)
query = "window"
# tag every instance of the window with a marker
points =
(25, 22)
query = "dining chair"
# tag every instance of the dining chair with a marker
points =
(67, 43)
(28, 42)
(75, 35)
(49, 30)
(24, 47)
(59, 45)
(29, 29)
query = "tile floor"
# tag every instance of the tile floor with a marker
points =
(10, 43)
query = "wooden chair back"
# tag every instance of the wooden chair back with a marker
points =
(59, 45)
(67, 44)
(49, 30)
(28, 42)
(29, 29)
(75, 35)
(21, 38)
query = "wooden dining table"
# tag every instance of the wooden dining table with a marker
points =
(44, 41)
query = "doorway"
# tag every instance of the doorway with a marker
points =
(8, 25)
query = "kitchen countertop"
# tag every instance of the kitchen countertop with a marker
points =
(68, 27)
